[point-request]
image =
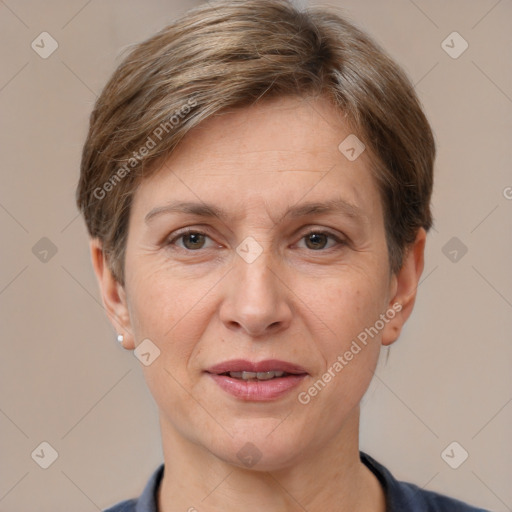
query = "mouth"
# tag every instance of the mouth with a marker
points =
(250, 376)
(257, 381)
(262, 370)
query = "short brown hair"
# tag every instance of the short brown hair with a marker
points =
(232, 53)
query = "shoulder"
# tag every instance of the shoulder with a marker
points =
(407, 496)
(123, 506)
(417, 499)
(147, 501)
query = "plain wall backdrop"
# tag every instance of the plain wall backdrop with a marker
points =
(64, 379)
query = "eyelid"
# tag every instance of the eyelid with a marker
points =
(176, 235)
(322, 231)
(340, 240)
(203, 230)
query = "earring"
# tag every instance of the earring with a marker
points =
(120, 338)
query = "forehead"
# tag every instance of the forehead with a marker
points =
(275, 153)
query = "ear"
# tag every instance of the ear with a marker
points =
(403, 288)
(112, 294)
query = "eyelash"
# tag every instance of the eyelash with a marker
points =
(188, 231)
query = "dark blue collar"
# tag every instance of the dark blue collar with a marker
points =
(400, 496)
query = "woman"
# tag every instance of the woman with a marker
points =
(256, 184)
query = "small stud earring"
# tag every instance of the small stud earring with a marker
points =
(120, 338)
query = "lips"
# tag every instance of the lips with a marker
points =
(269, 365)
(257, 381)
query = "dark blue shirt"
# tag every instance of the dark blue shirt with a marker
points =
(400, 496)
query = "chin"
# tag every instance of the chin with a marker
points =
(259, 451)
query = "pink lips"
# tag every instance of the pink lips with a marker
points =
(262, 390)
(269, 365)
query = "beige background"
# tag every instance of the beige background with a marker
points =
(64, 379)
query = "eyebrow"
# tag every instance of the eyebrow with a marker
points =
(337, 205)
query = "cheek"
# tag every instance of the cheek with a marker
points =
(169, 312)
(349, 310)
(163, 311)
(349, 351)
(348, 304)
(162, 302)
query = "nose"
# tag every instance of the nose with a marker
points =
(256, 301)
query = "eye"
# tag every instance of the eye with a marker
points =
(317, 240)
(192, 240)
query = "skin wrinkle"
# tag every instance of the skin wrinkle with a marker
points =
(205, 306)
(201, 209)
(196, 100)
(263, 173)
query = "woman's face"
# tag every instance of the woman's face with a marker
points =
(273, 276)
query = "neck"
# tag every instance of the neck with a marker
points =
(325, 478)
